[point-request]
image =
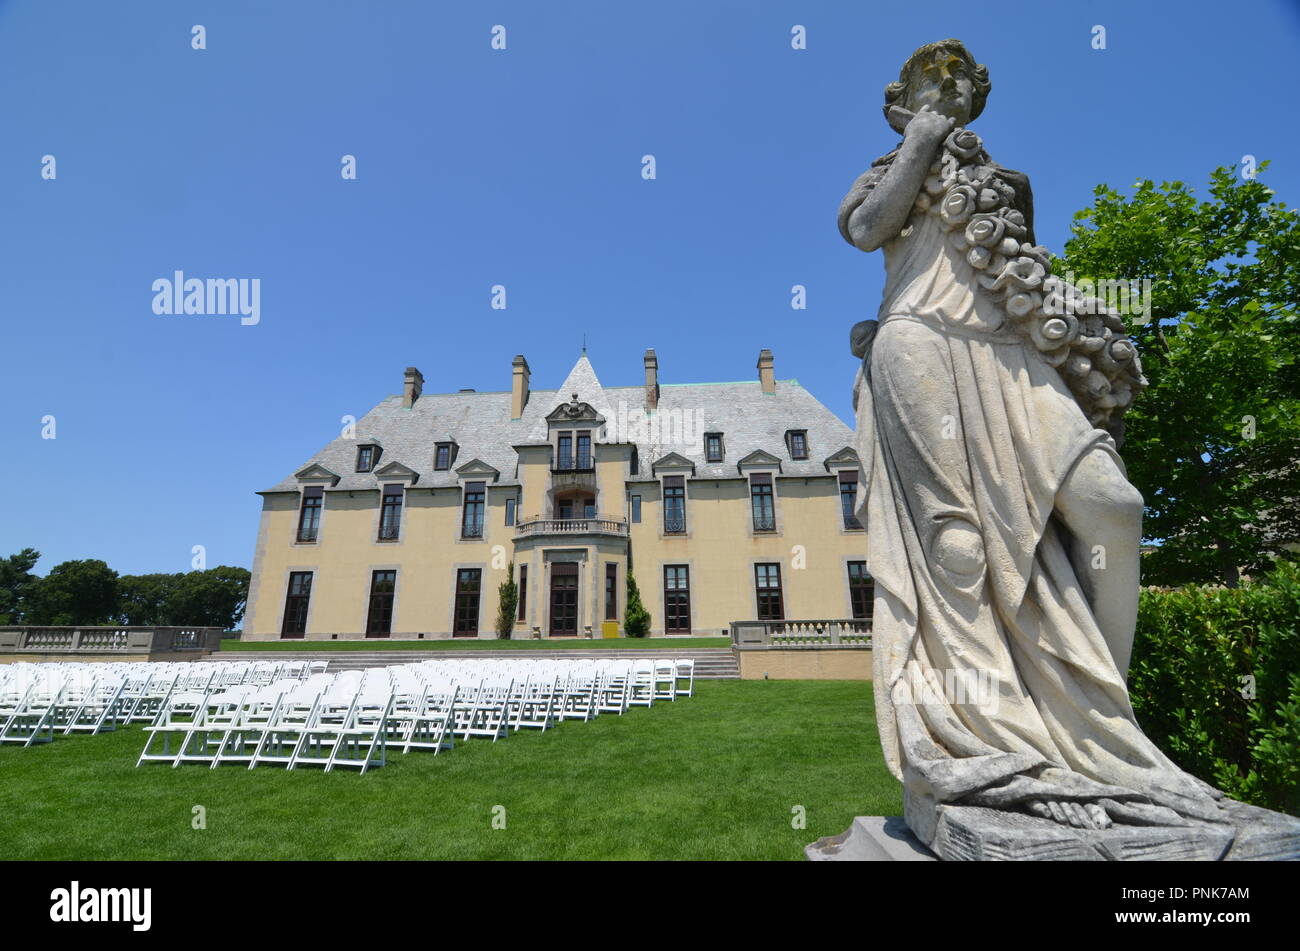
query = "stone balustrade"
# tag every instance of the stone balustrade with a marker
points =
(123, 640)
(832, 633)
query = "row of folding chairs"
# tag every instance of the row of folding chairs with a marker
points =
(41, 701)
(353, 718)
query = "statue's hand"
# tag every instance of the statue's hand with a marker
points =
(928, 126)
(1080, 815)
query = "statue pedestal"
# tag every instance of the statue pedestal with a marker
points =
(974, 833)
(871, 839)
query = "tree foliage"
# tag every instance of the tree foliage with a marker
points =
(89, 592)
(636, 620)
(1214, 442)
(508, 596)
(16, 582)
(74, 592)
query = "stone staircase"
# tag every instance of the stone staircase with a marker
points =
(711, 663)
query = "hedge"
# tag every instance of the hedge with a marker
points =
(1215, 681)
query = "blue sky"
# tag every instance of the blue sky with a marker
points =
(479, 167)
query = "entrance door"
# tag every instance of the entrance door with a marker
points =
(564, 599)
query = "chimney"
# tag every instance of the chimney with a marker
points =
(519, 387)
(766, 371)
(412, 385)
(651, 380)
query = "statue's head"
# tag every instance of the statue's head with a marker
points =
(943, 76)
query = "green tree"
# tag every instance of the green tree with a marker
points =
(74, 592)
(1213, 444)
(212, 598)
(508, 594)
(146, 599)
(16, 583)
(636, 620)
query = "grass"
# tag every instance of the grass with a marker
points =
(469, 643)
(715, 776)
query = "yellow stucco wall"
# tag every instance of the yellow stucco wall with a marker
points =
(806, 663)
(720, 548)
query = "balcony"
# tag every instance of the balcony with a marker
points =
(600, 525)
(572, 473)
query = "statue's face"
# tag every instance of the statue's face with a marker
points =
(945, 85)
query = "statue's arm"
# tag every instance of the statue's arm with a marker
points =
(884, 209)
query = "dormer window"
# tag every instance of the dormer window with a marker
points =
(713, 447)
(444, 454)
(796, 440)
(367, 456)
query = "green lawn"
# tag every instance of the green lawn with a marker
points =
(711, 777)
(474, 644)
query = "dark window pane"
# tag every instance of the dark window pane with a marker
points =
(379, 622)
(862, 589)
(296, 604)
(767, 580)
(611, 591)
(849, 501)
(677, 599)
(472, 517)
(636, 508)
(674, 509)
(468, 584)
(390, 514)
(713, 447)
(523, 590)
(309, 517)
(763, 506)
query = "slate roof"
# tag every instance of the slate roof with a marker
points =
(480, 425)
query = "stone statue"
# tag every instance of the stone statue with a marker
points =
(1003, 531)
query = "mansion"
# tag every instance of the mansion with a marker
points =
(726, 502)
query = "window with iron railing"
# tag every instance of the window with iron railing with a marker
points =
(471, 525)
(390, 514)
(674, 506)
(309, 516)
(849, 499)
(762, 503)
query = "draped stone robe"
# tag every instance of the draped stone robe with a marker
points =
(966, 435)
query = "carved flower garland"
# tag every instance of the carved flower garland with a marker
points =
(1079, 335)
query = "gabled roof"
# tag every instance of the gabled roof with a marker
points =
(758, 459)
(477, 468)
(847, 456)
(314, 472)
(396, 472)
(673, 460)
(480, 424)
